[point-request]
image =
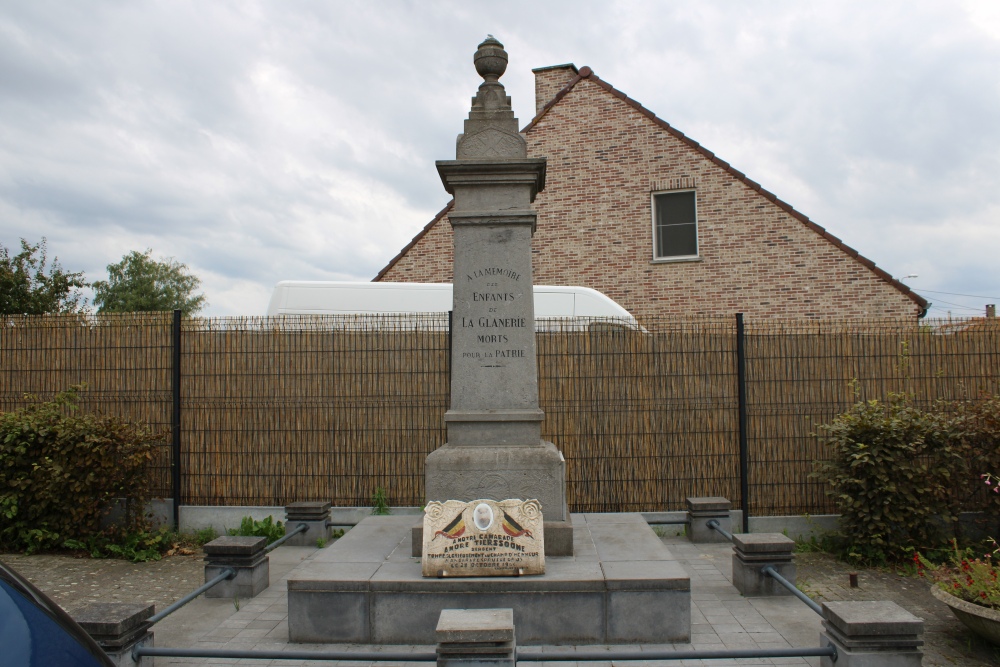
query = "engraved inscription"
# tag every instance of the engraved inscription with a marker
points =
(494, 334)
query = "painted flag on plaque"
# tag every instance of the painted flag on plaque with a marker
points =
(454, 529)
(513, 528)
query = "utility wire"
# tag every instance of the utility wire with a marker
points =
(974, 296)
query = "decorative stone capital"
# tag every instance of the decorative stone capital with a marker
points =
(491, 130)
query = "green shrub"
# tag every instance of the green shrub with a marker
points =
(61, 472)
(979, 443)
(892, 470)
(138, 546)
(203, 536)
(272, 530)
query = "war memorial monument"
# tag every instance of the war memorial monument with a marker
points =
(496, 532)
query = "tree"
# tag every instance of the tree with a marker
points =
(140, 283)
(27, 289)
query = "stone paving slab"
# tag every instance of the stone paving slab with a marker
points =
(720, 616)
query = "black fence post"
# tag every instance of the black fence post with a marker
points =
(741, 381)
(175, 419)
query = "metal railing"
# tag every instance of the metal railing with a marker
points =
(771, 572)
(228, 573)
(714, 525)
(522, 655)
(360, 656)
(694, 654)
(301, 528)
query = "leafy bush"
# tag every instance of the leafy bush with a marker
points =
(138, 547)
(272, 530)
(60, 473)
(979, 422)
(892, 471)
(203, 536)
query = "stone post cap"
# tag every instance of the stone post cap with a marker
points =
(873, 618)
(475, 625)
(112, 619)
(709, 503)
(230, 545)
(309, 506)
(306, 510)
(753, 543)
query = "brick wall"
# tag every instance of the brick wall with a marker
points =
(605, 158)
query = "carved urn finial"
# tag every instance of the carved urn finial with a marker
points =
(491, 128)
(490, 59)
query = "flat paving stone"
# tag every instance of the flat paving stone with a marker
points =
(756, 622)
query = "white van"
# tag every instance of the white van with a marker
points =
(301, 297)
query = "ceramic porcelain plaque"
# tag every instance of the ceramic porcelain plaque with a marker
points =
(483, 538)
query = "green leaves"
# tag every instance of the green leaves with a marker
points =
(61, 471)
(27, 288)
(272, 530)
(890, 471)
(139, 284)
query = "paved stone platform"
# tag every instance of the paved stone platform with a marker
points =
(622, 584)
(720, 615)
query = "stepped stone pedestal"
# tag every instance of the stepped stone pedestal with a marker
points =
(622, 585)
(315, 515)
(246, 555)
(752, 553)
(703, 510)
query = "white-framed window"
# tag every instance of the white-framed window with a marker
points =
(675, 225)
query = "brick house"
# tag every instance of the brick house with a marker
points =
(637, 210)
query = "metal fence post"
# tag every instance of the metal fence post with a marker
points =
(741, 380)
(175, 419)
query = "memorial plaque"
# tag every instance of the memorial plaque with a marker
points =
(483, 538)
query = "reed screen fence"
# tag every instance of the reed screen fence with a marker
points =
(277, 410)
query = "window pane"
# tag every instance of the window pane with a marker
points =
(677, 240)
(676, 225)
(675, 208)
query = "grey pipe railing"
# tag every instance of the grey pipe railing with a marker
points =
(714, 525)
(301, 528)
(771, 572)
(228, 573)
(720, 654)
(522, 655)
(359, 656)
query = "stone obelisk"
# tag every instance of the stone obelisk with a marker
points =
(495, 448)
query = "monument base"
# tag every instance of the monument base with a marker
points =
(469, 472)
(621, 586)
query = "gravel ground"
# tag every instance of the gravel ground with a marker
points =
(947, 642)
(74, 582)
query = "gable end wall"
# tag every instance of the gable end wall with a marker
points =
(605, 158)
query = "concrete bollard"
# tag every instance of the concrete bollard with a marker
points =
(871, 634)
(476, 638)
(315, 514)
(703, 510)
(752, 553)
(118, 627)
(246, 556)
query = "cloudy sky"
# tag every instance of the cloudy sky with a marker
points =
(267, 141)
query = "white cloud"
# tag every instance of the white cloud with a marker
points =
(261, 141)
